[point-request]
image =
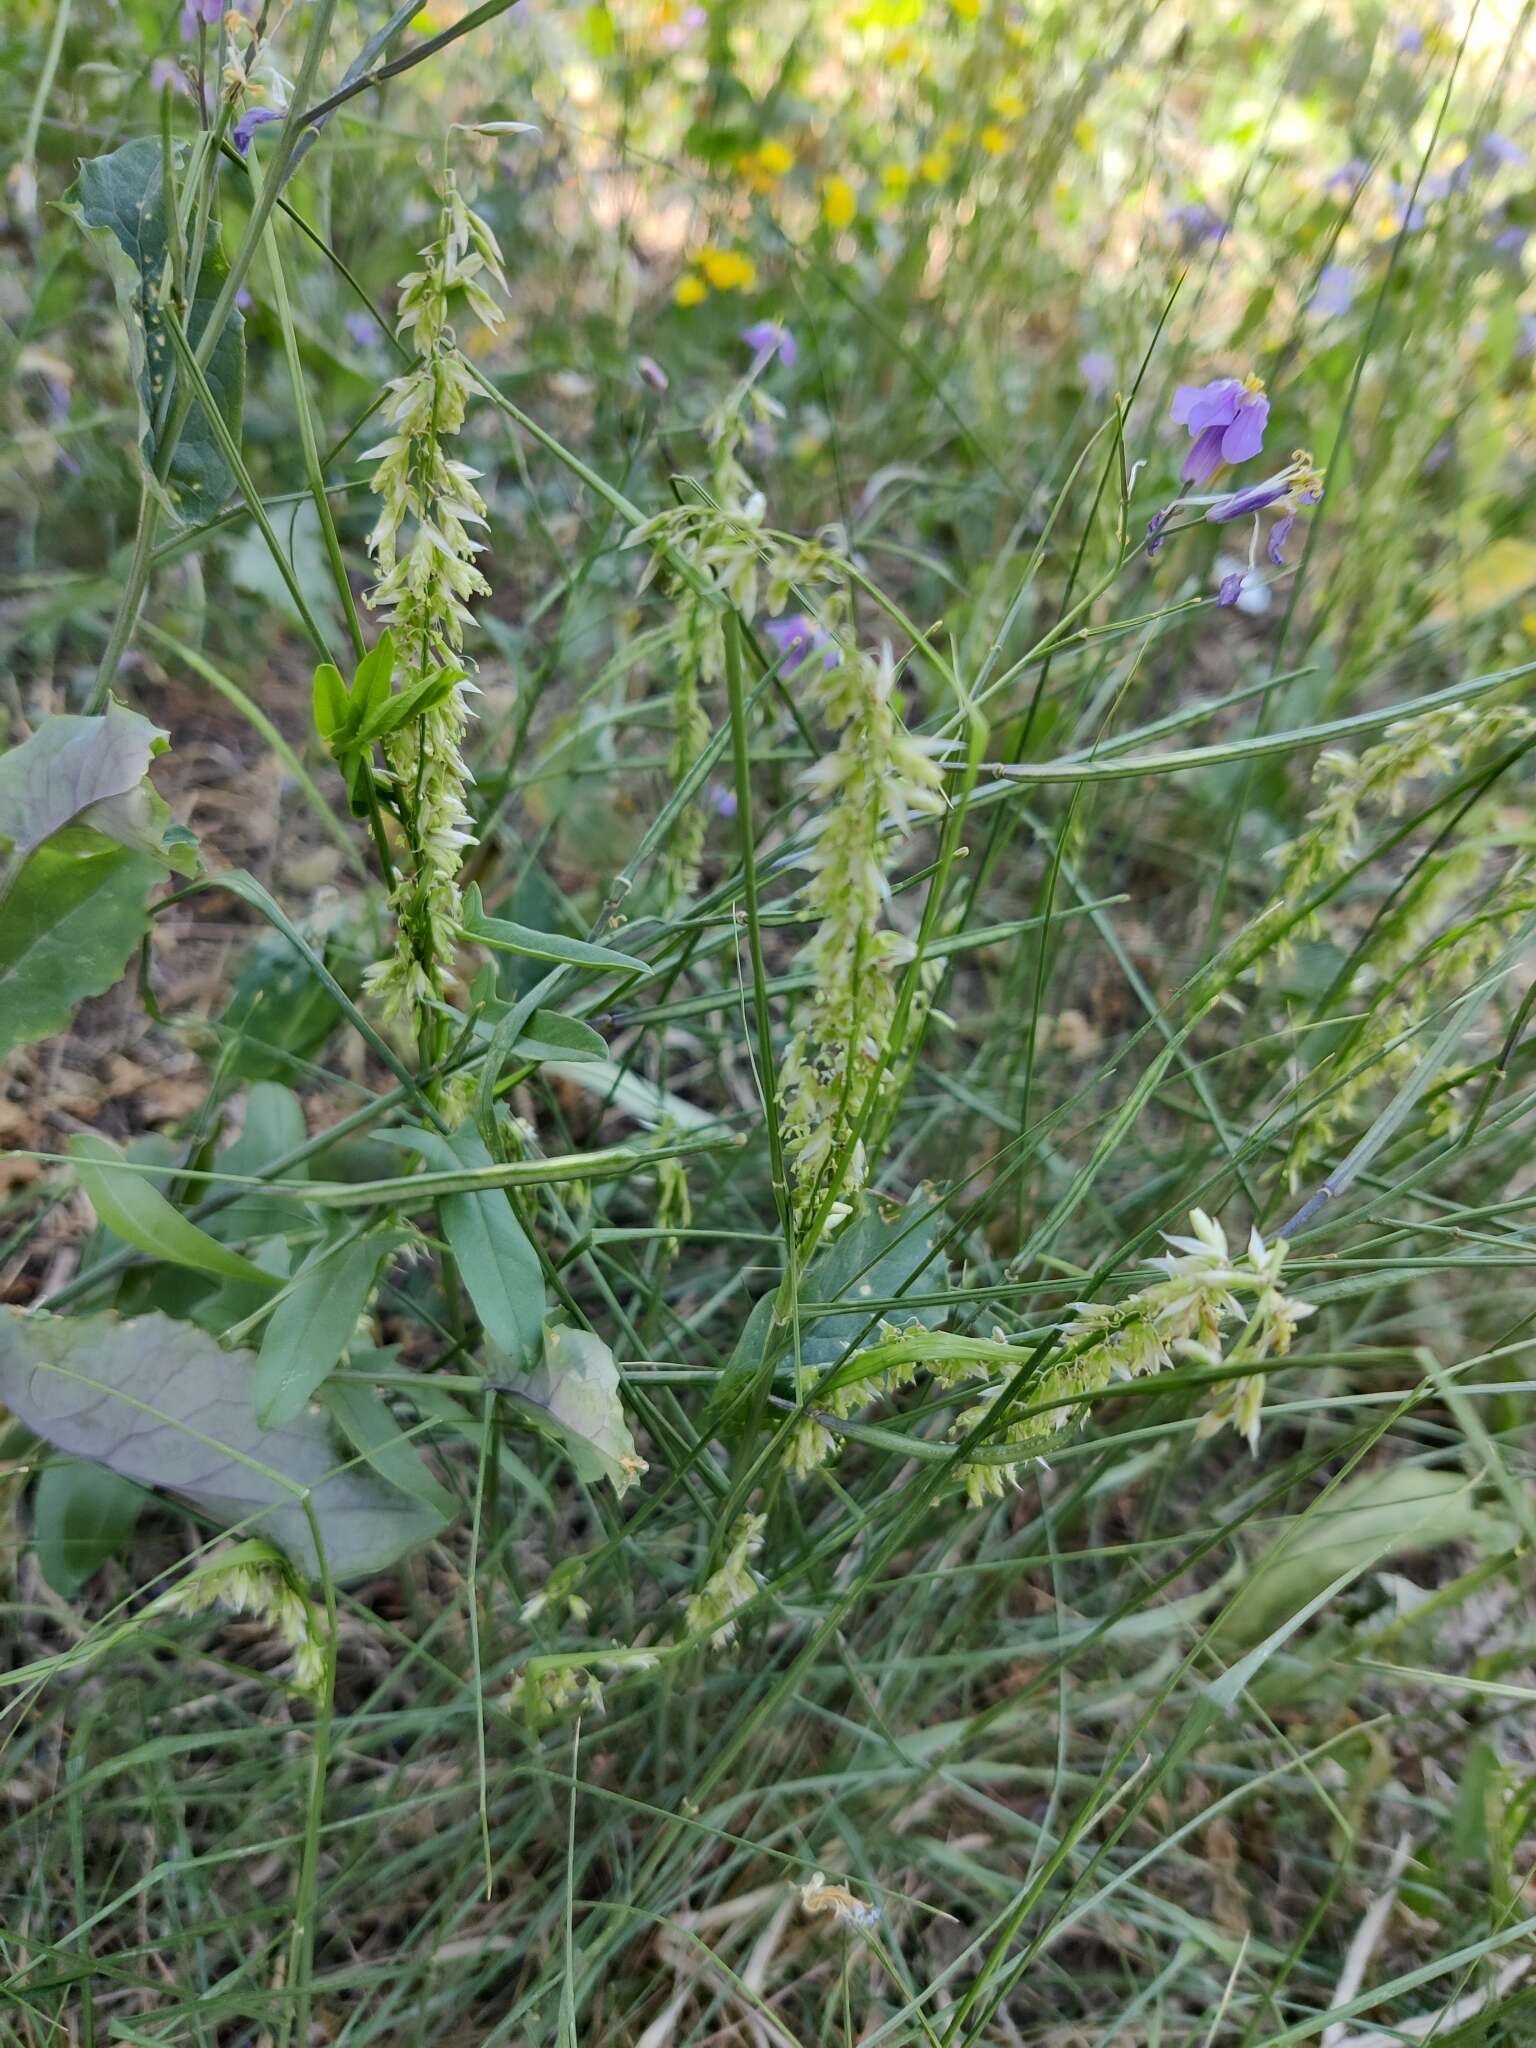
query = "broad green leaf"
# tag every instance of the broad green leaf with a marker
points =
(274, 1126)
(309, 1328)
(551, 1035)
(82, 1514)
(574, 1392)
(503, 937)
(366, 1423)
(498, 1265)
(69, 923)
(158, 1402)
(74, 771)
(118, 200)
(1380, 1515)
(130, 1204)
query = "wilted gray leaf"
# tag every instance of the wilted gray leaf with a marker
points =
(575, 1393)
(71, 765)
(158, 1402)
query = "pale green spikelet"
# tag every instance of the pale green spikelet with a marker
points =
(713, 1608)
(255, 1579)
(1205, 1288)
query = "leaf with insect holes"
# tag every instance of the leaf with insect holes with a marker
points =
(574, 1394)
(159, 1403)
(118, 201)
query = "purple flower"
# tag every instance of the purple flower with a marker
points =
(1335, 292)
(243, 300)
(723, 800)
(1411, 209)
(209, 12)
(1155, 534)
(1097, 370)
(770, 338)
(652, 373)
(1198, 223)
(1256, 498)
(1350, 175)
(1226, 420)
(1279, 533)
(1231, 588)
(362, 329)
(252, 119)
(1494, 149)
(798, 638)
(1410, 41)
(1511, 239)
(679, 32)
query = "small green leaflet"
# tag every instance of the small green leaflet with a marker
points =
(315, 1317)
(503, 937)
(128, 1203)
(499, 1266)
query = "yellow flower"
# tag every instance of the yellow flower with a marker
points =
(935, 166)
(994, 140)
(728, 270)
(690, 289)
(839, 202)
(1085, 135)
(968, 10)
(776, 158)
(1008, 105)
(897, 180)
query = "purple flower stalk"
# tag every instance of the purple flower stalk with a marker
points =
(797, 638)
(252, 119)
(1226, 420)
(770, 338)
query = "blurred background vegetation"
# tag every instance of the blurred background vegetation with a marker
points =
(1170, 1743)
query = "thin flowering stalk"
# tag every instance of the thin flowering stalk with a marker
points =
(875, 782)
(425, 554)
